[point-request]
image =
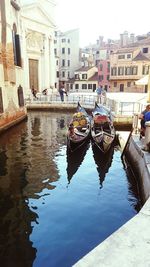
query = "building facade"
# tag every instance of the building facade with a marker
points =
(85, 79)
(129, 65)
(38, 29)
(66, 49)
(12, 108)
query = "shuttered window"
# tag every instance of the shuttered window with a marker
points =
(17, 49)
(1, 101)
(20, 96)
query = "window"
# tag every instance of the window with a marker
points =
(107, 77)
(101, 67)
(128, 84)
(101, 77)
(55, 85)
(68, 40)
(1, 101)
(84, 86)
(108, 66)
(63, 63)
(57, 62)
(68, 74)
(63, 40)
(115, 84)
(16, 46)
(145, 50)
(121, 56)
(71, 86)
(97, 52)
(76, 76)
(89, 86)
(114, 71)
(145, 70)
(68, 63)
(128, 70)
(20, 96)
(68, 51)
(120, 70)
(57, 74)
(77, 86)
(128, 55)
(55, 51)
(63, 74)
(134, 70)
(84, 76)
(55, 41)
(63, 50)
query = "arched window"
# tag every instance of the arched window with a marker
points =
(1, 101)
(20, 96)
(16, 46)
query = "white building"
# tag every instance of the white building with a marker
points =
(86, 79)
(12, 108)
(67, 51)
(38, 44)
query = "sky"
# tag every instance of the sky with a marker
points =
(108, 18)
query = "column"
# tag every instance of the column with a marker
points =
(45, 71)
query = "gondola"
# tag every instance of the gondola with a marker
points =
(102, 129)
(103, 162)
(78, 130)
(74, 160)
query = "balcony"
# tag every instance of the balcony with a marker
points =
(125, 77)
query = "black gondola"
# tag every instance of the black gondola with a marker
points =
(102, 129)
(79, 129)
(103, 162)
(74, 160)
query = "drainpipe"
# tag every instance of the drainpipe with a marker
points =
(3, 38)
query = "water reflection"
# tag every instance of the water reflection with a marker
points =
(34, 200)
(134, 196)
(103, 162)
(75, 159)
(27, 167)
(16, 217)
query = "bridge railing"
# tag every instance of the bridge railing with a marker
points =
(118, 107)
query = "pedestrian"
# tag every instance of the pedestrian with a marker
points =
(44, 92)
(62, 91)
(104, 96)
(144, 116)
(34, 91)
(99, 93)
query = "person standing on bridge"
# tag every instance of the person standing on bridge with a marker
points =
(99, 91)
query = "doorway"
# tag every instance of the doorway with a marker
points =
(33, 74)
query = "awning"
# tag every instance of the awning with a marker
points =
(142, 81)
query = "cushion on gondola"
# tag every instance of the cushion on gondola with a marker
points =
(99, 119)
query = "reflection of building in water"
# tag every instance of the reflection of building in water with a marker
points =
(27, 154)
(16, 217)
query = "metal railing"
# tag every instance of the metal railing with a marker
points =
(118, 107)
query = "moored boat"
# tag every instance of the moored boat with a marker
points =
(102, 129)
(78, 130)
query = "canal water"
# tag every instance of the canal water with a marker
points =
(55, 208)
